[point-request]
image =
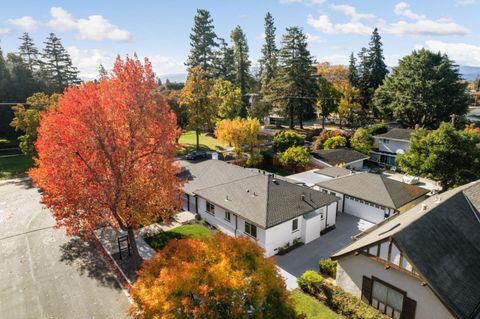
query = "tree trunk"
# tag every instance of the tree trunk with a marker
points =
(291, 118)
(137, 260)
(197, 133)
(323, 122)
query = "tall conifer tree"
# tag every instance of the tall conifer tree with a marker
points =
(29, 52)
(242, 65)
(202, 42)
(224, 62)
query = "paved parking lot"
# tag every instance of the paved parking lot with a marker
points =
(44, 273)
(307, 256)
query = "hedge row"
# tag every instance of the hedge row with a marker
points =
(336, 299)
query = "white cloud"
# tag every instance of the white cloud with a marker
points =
(421, 25)
(305, 2)
(466, 2)
(4, 31)
(427, 27)
(324, 24)
(352, 13)
(403, 9)
(166, 65)
(461, 53)
(25, 23)
(95, 27)
(311, 38)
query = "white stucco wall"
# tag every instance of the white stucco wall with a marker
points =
(350, 272)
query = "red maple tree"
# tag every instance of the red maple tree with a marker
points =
(106, 153)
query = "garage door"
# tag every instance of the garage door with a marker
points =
(363, 210)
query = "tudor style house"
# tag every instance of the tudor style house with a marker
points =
(253, 203)
(372, 197)
(422, 264)
(390, 144)
(344, 157)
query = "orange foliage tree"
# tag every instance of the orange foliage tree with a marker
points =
(218, 277)
(106, 153)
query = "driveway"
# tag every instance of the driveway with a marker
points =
(306, 257)
(46, 274)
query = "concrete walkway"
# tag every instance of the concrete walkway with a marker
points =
(179, 219)
(306, 257)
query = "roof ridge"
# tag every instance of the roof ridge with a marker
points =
(229, 182)
(383, 178)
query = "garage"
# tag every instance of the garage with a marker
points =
(365, 210)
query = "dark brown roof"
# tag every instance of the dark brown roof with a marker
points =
(402, 134)
(443, 244)
(339, 156)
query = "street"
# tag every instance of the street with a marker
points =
(46, 274)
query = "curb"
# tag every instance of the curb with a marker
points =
(15, 180)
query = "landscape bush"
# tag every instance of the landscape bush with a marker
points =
(335, 142)
(310, 282)
(328, 267)
(312, 135)
(376, 129)
(326, 134)
(286, 139)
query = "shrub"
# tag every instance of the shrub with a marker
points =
(326, 134)
(310, 282)
(335, 142)
(376, 129)
(286, 139)
(254, 158)
(348, 305)
(362, 141)
(311, 135)
(295, 156)
(328, 267)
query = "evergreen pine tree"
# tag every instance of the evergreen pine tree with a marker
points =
(202, 42)
(363, 78)
(242, 65)
(58, 64)
(268, 62)
(224, 62)
(378, 68)
(352, 71)
(29, 52)
(102, 72)
(5, 81)
(294, 88)
(23, 83)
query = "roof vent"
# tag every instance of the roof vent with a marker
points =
(254, 194)
(424, 207)
(303, 197)
(248, 191)
(227, 199)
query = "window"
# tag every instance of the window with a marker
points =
(251, 229)
(210, 208)
(385, 141)
(324, 191)
(227, 215)
(334, 194)
(387, 299)
(295, 225)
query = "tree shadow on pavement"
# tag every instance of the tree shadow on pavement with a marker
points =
(83, 255)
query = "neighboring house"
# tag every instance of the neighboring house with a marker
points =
(372, 197)
(254, 203)
(345, 157)
(422, 264)
(312, 177)
(390, 144)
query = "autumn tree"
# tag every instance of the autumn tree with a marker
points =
(27, 120)
(286, 139)
(106, 154)
(226, 98)
(239, 133)
(195, 97)
(221, 277)
(362, 141)
(335, 142)
(295, 157)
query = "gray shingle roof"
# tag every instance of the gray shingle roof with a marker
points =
(334, 171)
(254, 195)
(402, 134)
(339, 156)
(376, 189)
(443, 244)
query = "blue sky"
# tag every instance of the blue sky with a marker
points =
(96, 31)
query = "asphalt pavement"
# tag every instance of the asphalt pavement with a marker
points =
(46, 274)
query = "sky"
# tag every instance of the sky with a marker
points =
(96, 31)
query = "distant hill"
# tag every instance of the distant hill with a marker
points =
(470, 72)
(174, 77)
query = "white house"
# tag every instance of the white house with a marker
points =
(390, 144)
(344, 157)
(256, 204)
(422, 264)
(372, 197)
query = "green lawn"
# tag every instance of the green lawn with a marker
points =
(207, 142)
(14, 166)
(160, 240)
(311, 307)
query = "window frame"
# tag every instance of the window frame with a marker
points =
(210, 208)
(249, 231)
(386, 306)
(295, 225)
(229, 214)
